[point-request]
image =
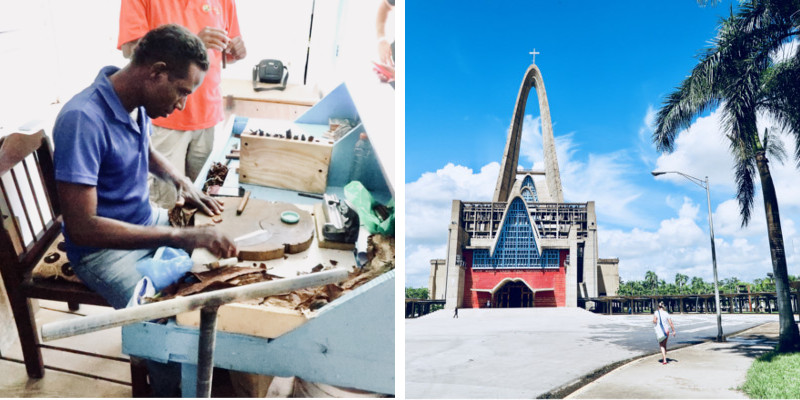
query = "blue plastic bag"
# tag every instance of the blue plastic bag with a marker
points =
(166, 267)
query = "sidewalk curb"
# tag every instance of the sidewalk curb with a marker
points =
(567, 389)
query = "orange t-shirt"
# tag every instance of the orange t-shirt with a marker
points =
(137, 17)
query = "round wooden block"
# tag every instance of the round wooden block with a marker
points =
(266, 215)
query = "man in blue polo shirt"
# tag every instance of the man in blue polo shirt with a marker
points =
(102, 157)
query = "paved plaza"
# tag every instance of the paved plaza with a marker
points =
(525, 353)
(709, 370)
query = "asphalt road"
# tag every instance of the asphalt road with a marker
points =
(523, 353)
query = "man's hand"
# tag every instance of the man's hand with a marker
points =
(385, 52)
(187, 193)
(207, 237)
(214, 38)
(236, 50)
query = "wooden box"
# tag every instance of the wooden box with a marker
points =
(285, 163)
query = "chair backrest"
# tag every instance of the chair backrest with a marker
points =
(29, 206)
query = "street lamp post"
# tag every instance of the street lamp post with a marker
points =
(704, 184)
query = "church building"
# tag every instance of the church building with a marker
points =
(526, 247)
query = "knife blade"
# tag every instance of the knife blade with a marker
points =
(252, 238)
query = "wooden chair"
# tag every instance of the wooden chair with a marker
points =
(31, 221)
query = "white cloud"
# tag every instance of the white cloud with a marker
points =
(648, 124)
(728, 222)
(604, 178)
(428, 207)
(530, 148)
(418, 262)
(700, 151)
(682, 245)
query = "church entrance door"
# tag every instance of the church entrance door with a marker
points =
(514, 295)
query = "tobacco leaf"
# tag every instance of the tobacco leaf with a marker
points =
(216, 175)
(380, 259)
(181, 216)
(216, 279)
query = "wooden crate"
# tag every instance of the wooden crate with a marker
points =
(286, 164)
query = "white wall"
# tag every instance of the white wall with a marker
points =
(51, 49)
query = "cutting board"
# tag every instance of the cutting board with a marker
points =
(266, 215)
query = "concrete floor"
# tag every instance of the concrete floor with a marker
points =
(69, 374)
(524, 353)
(81, 376)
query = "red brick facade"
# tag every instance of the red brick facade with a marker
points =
(535, 278)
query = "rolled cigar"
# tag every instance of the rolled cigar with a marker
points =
(225, 262)
(243, 203)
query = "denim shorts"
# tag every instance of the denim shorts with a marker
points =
(112, 273)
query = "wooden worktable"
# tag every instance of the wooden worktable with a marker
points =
(349, 342)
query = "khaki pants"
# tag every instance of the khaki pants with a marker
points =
(187, 151)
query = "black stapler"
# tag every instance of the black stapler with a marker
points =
(341, 220)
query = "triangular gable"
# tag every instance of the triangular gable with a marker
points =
(517, 225)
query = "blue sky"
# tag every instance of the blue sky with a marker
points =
(607, 66)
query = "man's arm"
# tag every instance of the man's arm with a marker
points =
(161, 167)
(384, 47)
(86, 228)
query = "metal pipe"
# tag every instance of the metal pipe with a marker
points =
(205, 350)
(720, 336)
(168, 308)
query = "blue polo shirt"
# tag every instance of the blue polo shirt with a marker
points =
(97, 143)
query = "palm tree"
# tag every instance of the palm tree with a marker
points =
(738, 74)
(651, 281)
(680, 281)
(698, 285)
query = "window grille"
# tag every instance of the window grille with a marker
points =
(516, 246)
(529, 194)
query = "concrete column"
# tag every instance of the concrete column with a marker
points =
(436, 279)
(455, 274)
(571, 285)
(590, 252)
(432, 281)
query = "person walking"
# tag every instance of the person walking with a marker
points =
(661, 319)
(455, 315)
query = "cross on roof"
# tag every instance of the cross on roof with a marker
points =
(534, 53)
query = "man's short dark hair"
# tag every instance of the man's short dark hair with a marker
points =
(173, 44)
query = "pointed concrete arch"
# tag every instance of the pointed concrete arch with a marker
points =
(508, 168)
(529, 191)
(521, 185)
(527, 181)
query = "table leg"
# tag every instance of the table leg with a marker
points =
(205, 348)
(188, 380)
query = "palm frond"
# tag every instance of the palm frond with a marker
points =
(774, 146)
(695, 95)
(745, 189)
(782, 98)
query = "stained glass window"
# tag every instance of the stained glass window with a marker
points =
(516, 245)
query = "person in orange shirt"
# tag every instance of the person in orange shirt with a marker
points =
(186, 137)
